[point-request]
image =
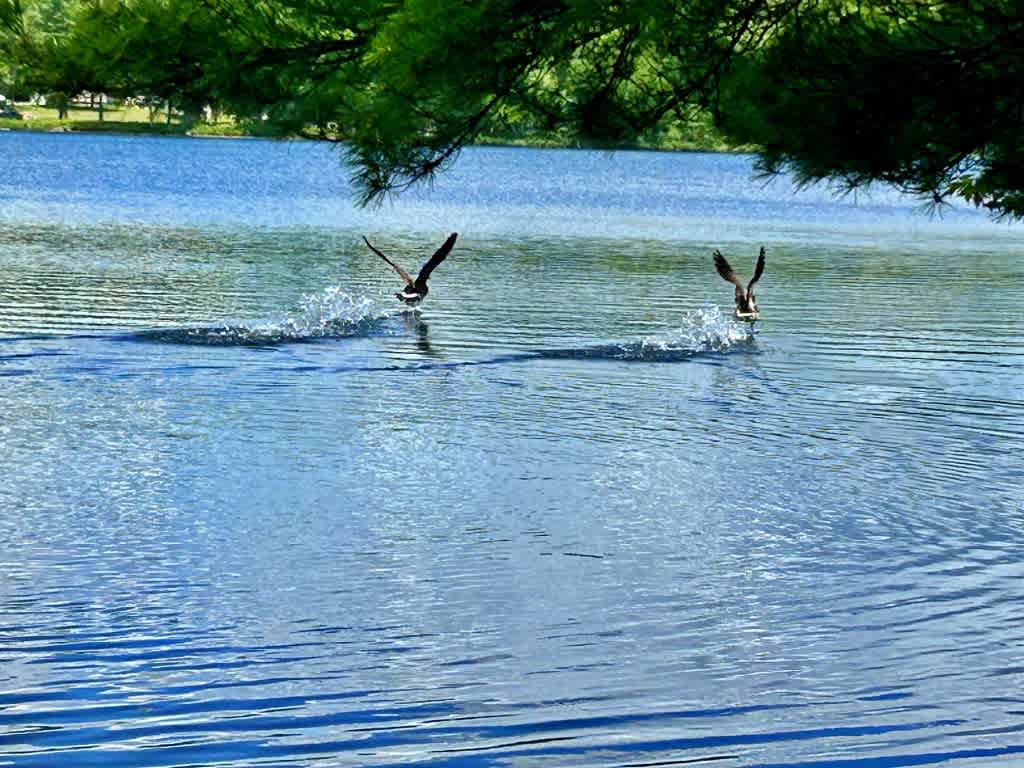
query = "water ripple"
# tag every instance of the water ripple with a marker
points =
(570, 512)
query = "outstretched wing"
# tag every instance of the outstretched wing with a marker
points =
(725, 270)
(758, 269)
(398, 269)
(439, 255)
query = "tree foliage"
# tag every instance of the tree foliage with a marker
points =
(923, 94)
(926, 96)
(602, 71)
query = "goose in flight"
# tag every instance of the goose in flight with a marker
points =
(415, 290)
(746, 307)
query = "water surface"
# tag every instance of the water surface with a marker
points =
(251, 513)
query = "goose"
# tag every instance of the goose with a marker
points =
(746, 306)
(416, 290)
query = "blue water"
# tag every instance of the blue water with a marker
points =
(570, 513)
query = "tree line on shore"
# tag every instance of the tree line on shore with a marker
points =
(927, 95)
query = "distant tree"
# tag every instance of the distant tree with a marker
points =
(8, 78)
(148, 48)
(35, 38)
(291, 62)
(12, 25)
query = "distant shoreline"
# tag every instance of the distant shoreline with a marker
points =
(119, 127)
(234, 131)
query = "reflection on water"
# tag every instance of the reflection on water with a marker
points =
(254, 512)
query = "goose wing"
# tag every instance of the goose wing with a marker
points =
(405, 275)
(439, 255)
(758, 269)
(725, 270)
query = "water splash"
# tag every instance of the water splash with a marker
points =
(702, 330)
(705, 330)
(330, 313)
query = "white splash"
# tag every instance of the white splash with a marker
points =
(330, 312)
(702, 330)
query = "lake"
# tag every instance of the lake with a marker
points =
(570, 513)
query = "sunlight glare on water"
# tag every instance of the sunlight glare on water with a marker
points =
(253, 511)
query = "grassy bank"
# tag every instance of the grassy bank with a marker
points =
(695, 135)
(135, 120)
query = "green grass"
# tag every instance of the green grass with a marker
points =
(696, 135)
(90, 126)
(218, 129)
(115, 120)
(78, 113)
